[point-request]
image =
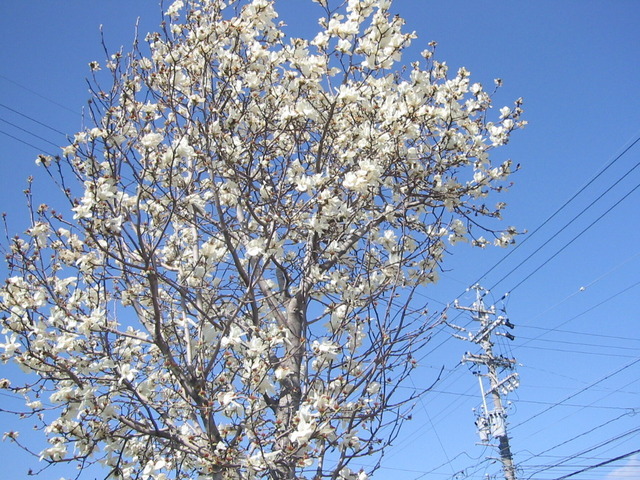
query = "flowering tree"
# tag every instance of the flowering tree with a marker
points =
(252, 214)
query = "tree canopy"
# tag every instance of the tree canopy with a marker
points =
(231, 293)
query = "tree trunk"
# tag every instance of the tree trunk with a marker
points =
(290, 396)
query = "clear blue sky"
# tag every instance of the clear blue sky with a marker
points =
(576, 65)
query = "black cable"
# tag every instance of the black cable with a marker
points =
(582, 344)
(568, 243)
(28, 132)
(575, 332)
(582, 452)
(549, 330)
(39, 95)
(591, 385)
(584, 187)
(630, 411)
(25, 142)
(32, 119)
(598, 465)
(564, 350)
(584, 210)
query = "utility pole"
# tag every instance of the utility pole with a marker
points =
(491, 421)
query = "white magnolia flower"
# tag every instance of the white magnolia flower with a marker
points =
(373, 388)
(69, 150)
(325, 349)
(151, 140)
(234, 337)
(10, 345)
(183, 149)
(256, 247)
(306, 426)
(43, 160)
(174, 9)
(248, 221)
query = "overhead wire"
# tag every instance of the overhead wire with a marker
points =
(591, 385)
(575, 332)
(547, 330)
(25, 142)
(579, 352)
(577, 292)
(581, 453)
(32, 119)
(630, 411)
(563, 206)
(598, 465)
(540, 402)
(440, 466)
(593, 307)
(600, 217)
(435, 431)
(60, 105)
(582, 344)
(39, 137)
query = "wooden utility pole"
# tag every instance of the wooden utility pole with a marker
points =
(491, 422)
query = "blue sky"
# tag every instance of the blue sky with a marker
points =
(576, 65)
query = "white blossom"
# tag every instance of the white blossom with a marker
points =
(151, 140)
(249, 213)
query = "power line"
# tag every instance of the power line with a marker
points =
(577, 405)
(573, 438)
(540, 402)
(38, 94)
(558, 421)
(575, 332)
(583, 312)
(562, 207)
(577, 292)
(433, 427)
(29, 132)
(582, 352)
(25, 143)
(582, 452)
(601, 464)
(32, 119)
(567, 244)
(582, 344)
(591, 385)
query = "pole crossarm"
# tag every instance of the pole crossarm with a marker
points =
(499, 360)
